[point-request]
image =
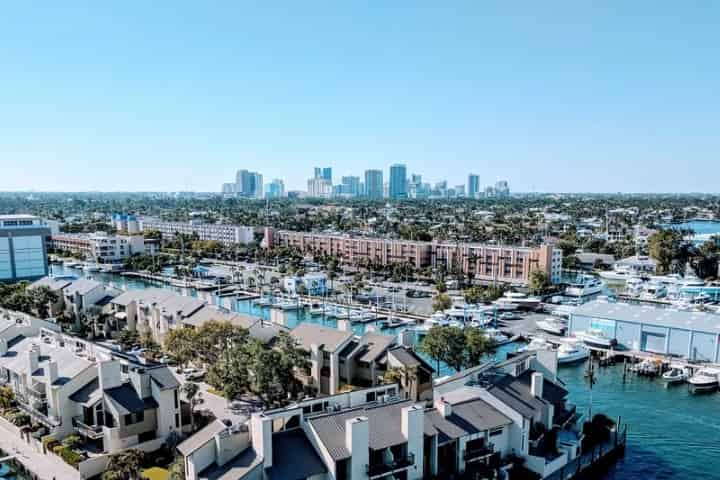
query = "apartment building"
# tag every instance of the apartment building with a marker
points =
(99, 247)
(488, 263)
(475, 420)
(23, 251)
(223, 233)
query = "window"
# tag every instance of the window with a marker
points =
(127, 419)
(176, 398)
(370, 397)
(139, 417)
(177, 420)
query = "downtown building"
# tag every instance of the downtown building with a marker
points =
(486, 263)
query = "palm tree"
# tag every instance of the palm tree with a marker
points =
(194, 397)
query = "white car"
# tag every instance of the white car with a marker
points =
(193, 373)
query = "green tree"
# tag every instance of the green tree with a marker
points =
(477, 345)
(442, 302)
(433, 345)
(177, 468)
(192, 393)
(663, 246)
(41, 298)
(180, 345)
(538, 282)
(128, 338)
(455, 347)
(125, 465)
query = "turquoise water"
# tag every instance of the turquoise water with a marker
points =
(699, 227)
(671, 434)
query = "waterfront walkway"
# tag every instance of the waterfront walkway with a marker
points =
(44, 467)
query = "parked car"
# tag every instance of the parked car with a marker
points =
(192, 373)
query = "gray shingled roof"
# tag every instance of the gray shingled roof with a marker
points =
(164, 378)
(88, 393)
(467, 418)
(516, 394)
(126, 396)
(82, 286)
(384, 427)
(294, 457)
(409, 358)
(201, 437)
(52, 283)
(376, 345)
(329, 338)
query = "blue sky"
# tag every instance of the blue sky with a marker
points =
(553, 96)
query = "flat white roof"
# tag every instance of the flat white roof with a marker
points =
(662, 317)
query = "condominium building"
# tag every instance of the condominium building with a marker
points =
(319, 188)
(488, 263)
(475, 421)
(23, 251)
(473, 186)
(99, 247)
(398, 181)
(218, 232)
(72, 386)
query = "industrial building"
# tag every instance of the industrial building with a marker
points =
(690, 335)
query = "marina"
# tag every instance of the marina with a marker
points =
(650, 405)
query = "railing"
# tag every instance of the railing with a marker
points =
(93, 432)
(36, 413)
(564, 417)
(478, 453)
(385, 468)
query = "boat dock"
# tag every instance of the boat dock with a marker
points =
(594, 462)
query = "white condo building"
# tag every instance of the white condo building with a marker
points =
(223, 233)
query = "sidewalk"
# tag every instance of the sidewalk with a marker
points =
(46, 467)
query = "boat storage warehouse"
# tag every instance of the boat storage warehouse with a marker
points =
(691, 335)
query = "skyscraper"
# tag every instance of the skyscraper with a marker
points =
(318, 172)
(374, 184)
(473, 186)
(327, 174)
(398, 181)
(350, 186)
(248, 184)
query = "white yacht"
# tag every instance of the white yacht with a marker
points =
(669, 279)
(572, 352)
(551, 325)
(263, 301)
(537, 343)
(90, 267)
(497, 336)
(586, 286)
(521, 300)
(595, 338)
(653, 291)
(704, 380)
(676, 374)
(621, 273)
(72, 264)
(287, 305)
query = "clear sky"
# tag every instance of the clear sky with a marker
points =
(554, 96)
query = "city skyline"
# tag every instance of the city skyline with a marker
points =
(599, 98)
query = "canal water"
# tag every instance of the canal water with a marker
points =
(671, 433)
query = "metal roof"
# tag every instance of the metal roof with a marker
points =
(467, 417)
(662, 317)
(164, 378)
(201, 437)
(82, 286)
(329, 338)
(69, 365)
(385, 431)
(294, 457)
(376, 344)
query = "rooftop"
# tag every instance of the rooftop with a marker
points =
(307, 334)
(662, 317)
(294, 457)
(384, 419)
(467, 417)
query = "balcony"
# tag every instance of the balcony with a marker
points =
(400, 463)
(478, 453)
(566, 417)
(37, 411)
(92, 432)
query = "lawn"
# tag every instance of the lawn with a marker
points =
(155, 473)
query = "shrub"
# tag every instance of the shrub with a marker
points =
(57, 449)
(70, 457)
(71, 441)
(49, 443)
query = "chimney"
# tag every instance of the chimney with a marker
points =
(412, 425)
(261, 437)
(51, 373)
(443, 407)
(33, 358)
(109, 374)
(536, 384)
(357, 441)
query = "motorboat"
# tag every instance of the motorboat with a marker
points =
(594, 337)
(676, 374)
(669, 279)
(586, 286)
(618, 274)
(501, 304)
(457, 313)
(551, 325)
(572, 352)
(72, 264)
(521, 300)
(537, 343)
(648, 367)
(91, 267)
(263, 302)
(634, 285)
(653, 291)
(497, 337)
(704, 380)
(287, 305)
